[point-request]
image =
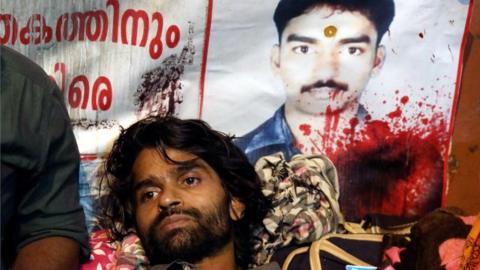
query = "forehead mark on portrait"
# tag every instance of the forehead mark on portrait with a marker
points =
(330, 31)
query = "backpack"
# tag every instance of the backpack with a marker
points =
(333, 252)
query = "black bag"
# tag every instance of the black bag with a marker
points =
(333, 252)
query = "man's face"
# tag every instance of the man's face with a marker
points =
(325, 59)
(181, 210)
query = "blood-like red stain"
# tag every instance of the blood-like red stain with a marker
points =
(340, 144)
(299, 146)
(395, 114)
(391, 172)
(332, 119)
(334, 94)
(392, 166)
(353, 123)
(306, 129)
(347, 131)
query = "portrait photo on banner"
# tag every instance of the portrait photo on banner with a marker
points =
(369, 84)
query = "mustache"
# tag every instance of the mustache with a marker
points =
(322, 83)
(175, 211)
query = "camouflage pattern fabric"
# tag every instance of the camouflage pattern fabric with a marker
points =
(304, 194)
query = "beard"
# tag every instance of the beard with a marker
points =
(210, 232)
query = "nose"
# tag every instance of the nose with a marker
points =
(326, 65)
(169, 198)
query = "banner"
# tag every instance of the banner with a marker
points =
(115, 61)
(373, 88)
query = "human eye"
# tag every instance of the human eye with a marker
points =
(149, 195)
(302, 49)
(355, 50)
(190, 181)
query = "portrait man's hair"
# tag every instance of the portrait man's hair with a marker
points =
(379, 12)
(238, 178)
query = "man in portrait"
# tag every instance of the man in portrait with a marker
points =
(327, 52)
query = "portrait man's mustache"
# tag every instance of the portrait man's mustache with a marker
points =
(337, 86)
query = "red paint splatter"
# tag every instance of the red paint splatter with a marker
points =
(299, 146)
(332, 119)
(353, 126)
(395, 114)
(340, 144)
(392, 167)
(334, 94)
(306, 129)
(353, 122)
(391, 172)
(420, 35)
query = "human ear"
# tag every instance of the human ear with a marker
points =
(379, 60)
(237, 209)
(275, 59)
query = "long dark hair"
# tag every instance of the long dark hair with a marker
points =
(239, 178)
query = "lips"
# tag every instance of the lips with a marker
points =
(175, 221)
(324, 93)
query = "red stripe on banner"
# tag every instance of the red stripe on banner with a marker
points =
(205, 56)
(88, 156)
(455, 101)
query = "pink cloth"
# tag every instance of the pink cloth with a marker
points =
(393, 254)
(451, 252)
(127, 254)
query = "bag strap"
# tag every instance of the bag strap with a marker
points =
(324, 244)
(292, 254)
(362, 227)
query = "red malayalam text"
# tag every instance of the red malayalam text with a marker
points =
(94, 26)
(78, 95)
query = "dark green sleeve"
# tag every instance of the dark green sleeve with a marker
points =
(38, 140)
(51, 206)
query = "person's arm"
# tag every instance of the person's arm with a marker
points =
(51, 224)
(48, 225)
(48, 253)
